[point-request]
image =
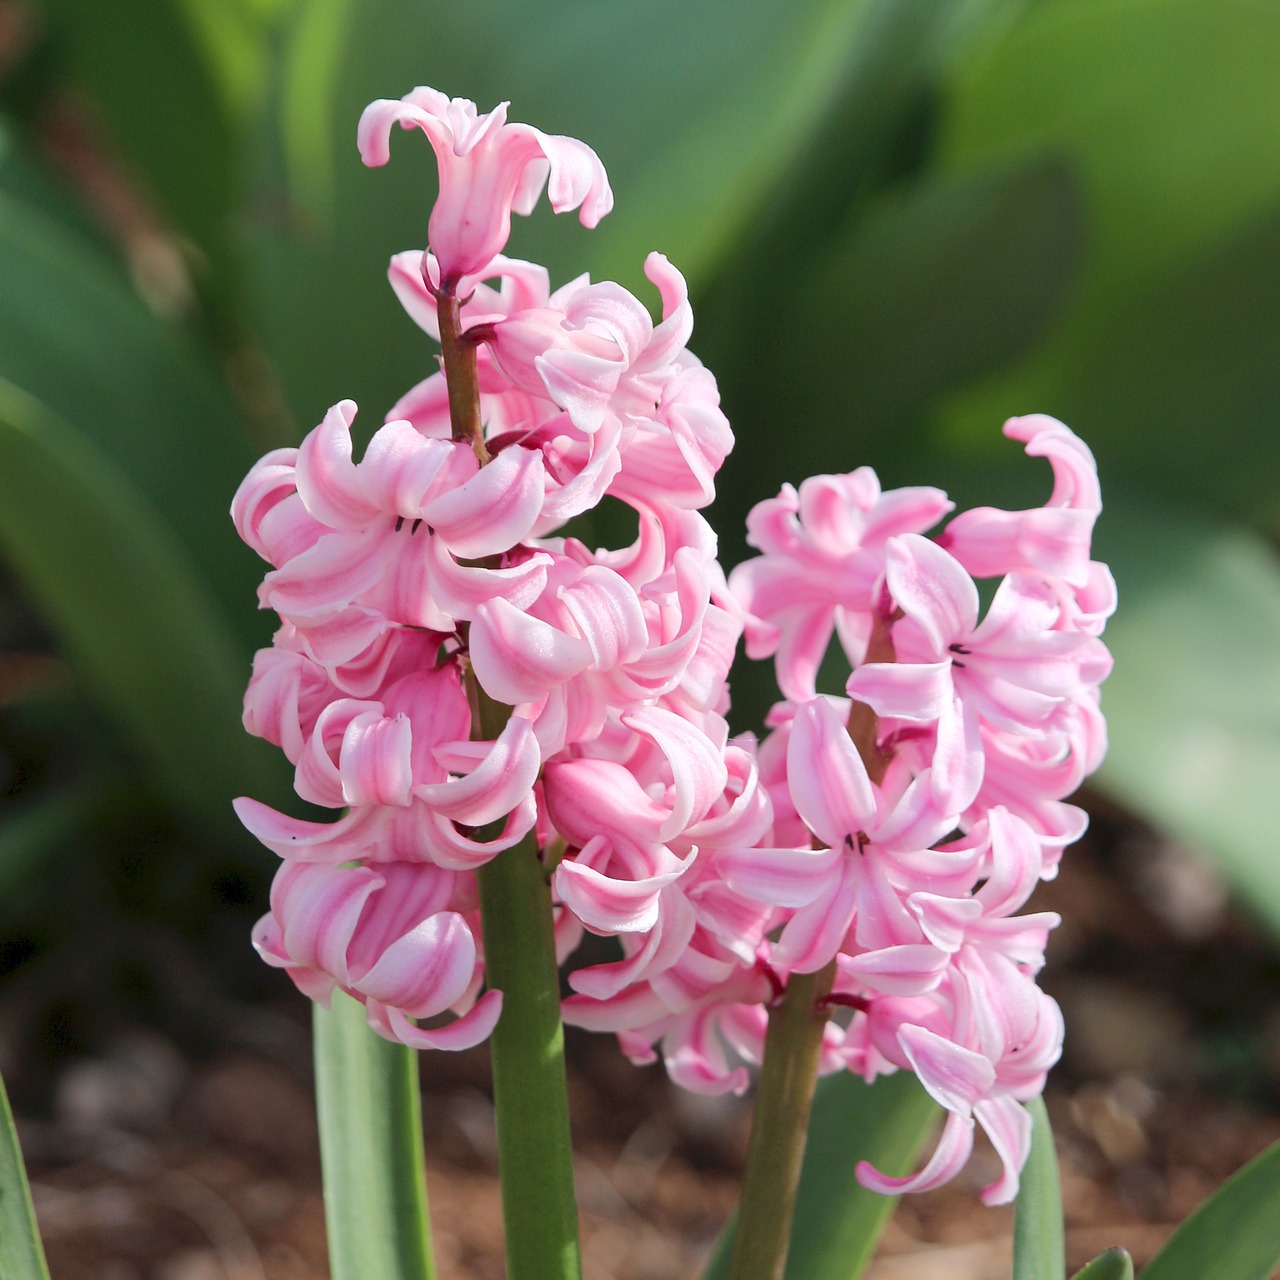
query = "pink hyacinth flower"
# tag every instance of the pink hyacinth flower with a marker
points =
(390, 937)
(488, 170)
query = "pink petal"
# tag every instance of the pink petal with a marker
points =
(502, 779)
(1008, 1125)
(954, 1076)
(473, 1028)
(948, 1158)
(781, 877)
(827, 779)
(518, 658)
(931, 587)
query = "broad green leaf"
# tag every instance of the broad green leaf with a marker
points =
(1175, 387)
(837, 1221)
(1115, 1264)
(130, 609)
(21, 1253)
(1193, 705)
(166, 105)
(1168, 169)
(1037, 1227)
(375, 1189)
(1182, 379)
(1165, 362)
(699, 135)
(74, 335)
(1232, 1235)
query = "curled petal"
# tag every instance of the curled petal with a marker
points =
(518, 658)
(473, 1028)
(948, 1158)
(1008, 1125)
(610, 905)
(781, 877)
(698, 770)
(498, 783)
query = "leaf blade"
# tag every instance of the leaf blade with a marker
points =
(1038, 1252)
(126, 603)
(1232, 1235)
(369, 1111)
(838, 1221)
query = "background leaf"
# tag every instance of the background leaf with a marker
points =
(1232, 1235)
(837, 1221)
(130, 609)
(1037, 1226)
(1115, 1264)
(1194, 706)
(74, 335)
(370, 1116)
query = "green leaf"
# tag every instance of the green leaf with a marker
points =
(1115, 1264)
(1164, 362)
(1167, 170)
(1194, 700)
(74, 335)
(127, 605)
(21, 1254)
(837, 1221)
(1232, 1235)
(721, 126)
(943, 283)
(166, 105)
(1037, 1227)
(375, 1189)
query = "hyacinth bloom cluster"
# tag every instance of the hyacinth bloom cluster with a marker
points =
(890, 836)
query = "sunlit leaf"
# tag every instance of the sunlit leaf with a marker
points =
(375, 1187)
(837, 1221)
(1194, 703)
(74, 335)
(1115, 1264)
(1037, 1227)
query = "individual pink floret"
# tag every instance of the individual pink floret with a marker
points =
(399, 938)
(488, 170)
(823, 554)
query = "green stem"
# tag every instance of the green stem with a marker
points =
(530, 1094)
(369, 1107)
(778, 1130)
(535, 1154)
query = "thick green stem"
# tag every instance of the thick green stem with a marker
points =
(780, 1126)
(535, 1154)
(530, 1094)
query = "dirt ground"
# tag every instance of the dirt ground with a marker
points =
(151, 1162)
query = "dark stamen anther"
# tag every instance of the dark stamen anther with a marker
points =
(413, 528)
(399, 523)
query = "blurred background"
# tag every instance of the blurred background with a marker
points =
(902, 221)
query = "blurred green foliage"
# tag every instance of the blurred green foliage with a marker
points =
(902, 220)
